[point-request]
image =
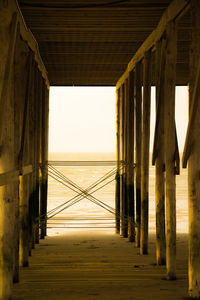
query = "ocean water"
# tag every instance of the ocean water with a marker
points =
(89, 215)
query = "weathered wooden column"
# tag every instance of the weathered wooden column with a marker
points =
(117, 177)
(169, 128)
(38, 154)
(145, 153)
(121, 152)
(22, 87)
(24, 159)
(138, 124)
(192, 155)
(32, 179)
(44, 159)
(158, 154)
(7, 192)
(46, 149)
(125, 200)
(130, 158)
(19, 62)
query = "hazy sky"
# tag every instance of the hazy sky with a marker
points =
(82, 119)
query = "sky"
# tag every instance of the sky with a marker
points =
(82, 119)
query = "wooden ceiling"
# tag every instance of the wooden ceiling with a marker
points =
(89, 43)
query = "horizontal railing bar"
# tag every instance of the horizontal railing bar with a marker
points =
(83, 163)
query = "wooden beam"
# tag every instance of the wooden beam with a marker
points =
(159, 105)
(158, 159)
(26, 170)
(44, 158)
(130, 159)
(8, 70)
(138, 129)
(27, 36)
(38, 110)
(192, 142)
(25, 112)
(145, 153)
(121, 149)
(13, 176)
(177, 156)
(31, 135)
(175, 9)
(117, 177)
(160, 96)
(9, 177)
(192, 118)
(124, 227)
(169, 130)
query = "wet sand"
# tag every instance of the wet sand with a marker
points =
(99, 265)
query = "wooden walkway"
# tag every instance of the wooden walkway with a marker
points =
(96, 265)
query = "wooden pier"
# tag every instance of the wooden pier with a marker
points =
(132, 45)
(57, 269)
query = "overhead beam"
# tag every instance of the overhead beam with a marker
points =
(175, 9)
(27, 36)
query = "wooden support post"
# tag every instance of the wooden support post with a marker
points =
(36, 140)
(192, 153)
(159, 160)
(145, 153)
(117, 178)
(44, 158)
(24, 179)
(124, 176)
(46, 149)
(38, 154)
(138, 128)
(23, 218)
(8, 69)
(130, 158)
(23, 86)
(121, 151)
(124, 230)
(32, 184)
(8, 193)
(169, 128)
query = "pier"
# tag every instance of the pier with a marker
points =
(132, 45)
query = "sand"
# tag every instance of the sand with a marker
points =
(99, 265)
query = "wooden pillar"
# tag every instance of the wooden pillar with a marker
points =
(117, 178)
(121, 151)
(194, 157)
(125, 200)
(24, 159)
(44, 158)
(32, 181)
(35, 137)
(169, 128)
(37, 154)
(130, 158)
(138, 128)
(159, 159)
(7, 163)
(46, 147)
(145, 153)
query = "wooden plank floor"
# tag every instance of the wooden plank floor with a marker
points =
(96, 265)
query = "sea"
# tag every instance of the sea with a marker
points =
(68, 210)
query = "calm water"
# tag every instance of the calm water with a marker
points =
(87, 214)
